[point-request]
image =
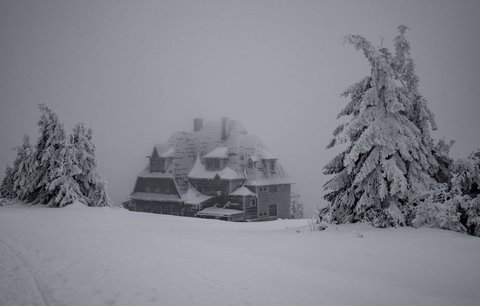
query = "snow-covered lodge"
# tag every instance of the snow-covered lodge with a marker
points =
(217, 170)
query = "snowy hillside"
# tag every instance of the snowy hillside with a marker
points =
(105, 256)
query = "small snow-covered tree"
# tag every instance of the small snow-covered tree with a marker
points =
(466, 188)
(99, 196)
(466, 179)
(23, 170)
(455, 205)
(92, 186)
(81, 139)
(296, 206)
(388, 161)
(6, 188)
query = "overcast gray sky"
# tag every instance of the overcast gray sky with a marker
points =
(139, 70)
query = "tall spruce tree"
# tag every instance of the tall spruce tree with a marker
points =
(388, 160)
(56, 166)
(51, 136)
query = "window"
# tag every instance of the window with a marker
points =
(250, 203)
(250, 164)
(273, 188)
(212, 164)
(148, 188)
(272, 210)
(272, 165)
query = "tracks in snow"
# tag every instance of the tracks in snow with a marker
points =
(16, 274)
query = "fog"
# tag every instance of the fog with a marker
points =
(138, 71)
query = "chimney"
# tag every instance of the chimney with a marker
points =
(224, 128)
(197, 124)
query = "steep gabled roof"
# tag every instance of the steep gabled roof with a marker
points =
(194, 197)
(242, 191)
(160, 148)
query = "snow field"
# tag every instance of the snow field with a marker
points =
(109, 256)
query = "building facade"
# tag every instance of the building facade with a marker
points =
(217, 170)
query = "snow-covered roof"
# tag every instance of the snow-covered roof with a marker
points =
(242, 191)
(265, 154)
(221, 152)
(264, 181)
(147, 174)
(169, 153)
(156, 197)
(194, 197)
(218, 212)
(198, 172)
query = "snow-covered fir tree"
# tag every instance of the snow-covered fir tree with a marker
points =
(61, 186)
(388, 161)
(6, 188)
(51, 136)
(296, 206)
(55, 159)
(456, 205)
(99, 196)
(92, 186)
(466, 182)
(23, 170)
(60, 170)
(466, 179)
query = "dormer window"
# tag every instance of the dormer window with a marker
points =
(212, 164)
(271, 165)
(216, 159)
(157, 164)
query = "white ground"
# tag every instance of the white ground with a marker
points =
(104, 256)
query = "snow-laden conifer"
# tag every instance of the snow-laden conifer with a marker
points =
(51, 136)
(99, 196)
(23, 170)
(456, 205)
(61, 186)
(55, 163)
(6, 188)
(296, 206)
(388, 160)
(92, 186)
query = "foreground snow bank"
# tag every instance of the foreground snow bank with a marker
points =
(107, 256)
